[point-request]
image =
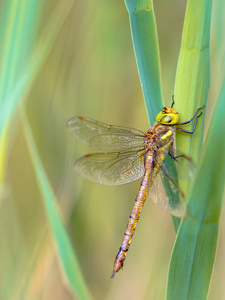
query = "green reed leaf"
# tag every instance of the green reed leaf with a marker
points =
(21, 56)
(145, 40)
(193, 74)
(195, 248)
(66, 252)
(193, 78)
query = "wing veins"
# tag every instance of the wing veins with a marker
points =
(113, 168)
(104, 137)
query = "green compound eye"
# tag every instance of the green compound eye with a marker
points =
(168, 116)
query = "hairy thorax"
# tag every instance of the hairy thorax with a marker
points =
(159, 138)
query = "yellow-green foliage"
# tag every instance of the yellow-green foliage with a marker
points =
(59, 233)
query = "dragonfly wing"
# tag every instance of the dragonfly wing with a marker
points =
(104, 137)
(113, 168)
(165, 192)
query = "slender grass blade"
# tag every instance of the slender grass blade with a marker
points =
(195, 248)
(193, 73)
(145, 40)
(65, 250)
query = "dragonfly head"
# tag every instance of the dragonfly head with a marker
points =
(168, 116)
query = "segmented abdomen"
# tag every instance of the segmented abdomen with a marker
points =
(135, 213)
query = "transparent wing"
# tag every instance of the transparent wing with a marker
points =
(113, 168)
(104, 137)
(165, 192)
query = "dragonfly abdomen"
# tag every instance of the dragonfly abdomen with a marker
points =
(133, 219)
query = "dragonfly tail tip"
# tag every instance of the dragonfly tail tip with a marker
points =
(113, 274)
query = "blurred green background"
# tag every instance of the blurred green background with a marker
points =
(91, 71)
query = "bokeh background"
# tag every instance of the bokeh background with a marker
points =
(91, 71)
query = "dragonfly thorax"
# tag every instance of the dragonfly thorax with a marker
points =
(159, 137)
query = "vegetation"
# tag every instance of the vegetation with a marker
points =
(59, 233)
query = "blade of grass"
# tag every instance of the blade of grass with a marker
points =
(21, 59)
(3, 160)
(21, 20)
(65, 250)
(195, 248)
(193, 73)
(193, 78)
(24, 283)
(145, 40)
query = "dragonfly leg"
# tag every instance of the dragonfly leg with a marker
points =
(178, 156)
(196, 120)
(171, 154)
(189, 121)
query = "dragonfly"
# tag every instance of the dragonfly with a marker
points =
(128, 154)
